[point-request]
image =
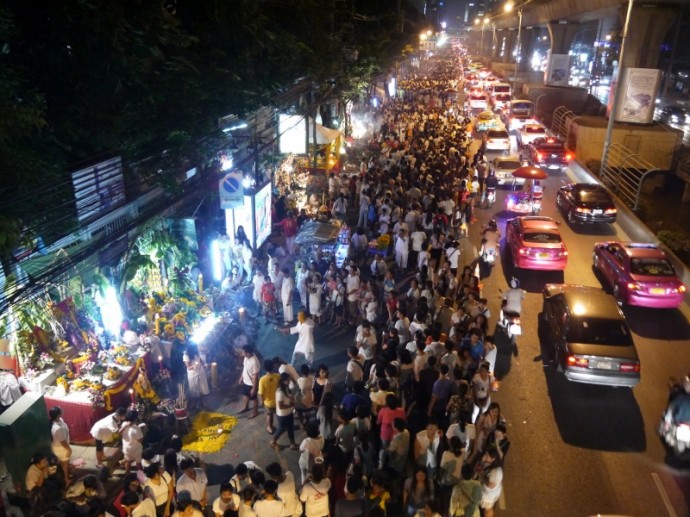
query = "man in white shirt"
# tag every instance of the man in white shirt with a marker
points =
(193, 480)
(352, 293)
(103, 431)
(249, 379)
(136, 508)
(426, 445)
(452, 255)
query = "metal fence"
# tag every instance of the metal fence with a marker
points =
(624, 172)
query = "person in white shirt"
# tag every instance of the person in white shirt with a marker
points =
(314, 493)
(227, 500)
(452, 255)
(269, 505)
(103, 431)
(136, 508)
(402, 247)
(249, 379)
(292, 507)
(132, 436)
(286, 294)
(426, 446)
(193, 480)
(352, 292)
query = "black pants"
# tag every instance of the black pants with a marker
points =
(285, 423)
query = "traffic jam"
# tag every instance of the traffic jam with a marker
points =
(589, 339)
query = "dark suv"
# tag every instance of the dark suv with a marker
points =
(549, 153)
(592, 343)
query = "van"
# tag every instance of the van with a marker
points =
(517, 113)
(498, 87)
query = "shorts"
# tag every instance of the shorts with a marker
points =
(100, 447)
(338, 310)
(269, 306)
(270, 410)
(488, 503)
(247, 391)
(61, 453)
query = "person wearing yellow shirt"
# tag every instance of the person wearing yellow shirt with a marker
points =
(268, 384)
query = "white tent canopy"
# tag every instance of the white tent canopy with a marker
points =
(292, 134)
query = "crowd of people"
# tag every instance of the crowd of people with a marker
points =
(413, 430)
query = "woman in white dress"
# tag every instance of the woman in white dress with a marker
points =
(305, 339)
(286, 295)
(301, 279)
(131, 435)
(258, 283)
(60, 443)
(196, 374)
(315, 292)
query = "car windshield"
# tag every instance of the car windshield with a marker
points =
(553, 147)
(542, 237)
(651, 267)
(534, 129)
(498, 134)
(502, 89)
(593, 196)
(508, 164)
(477, 97)
(503, 97)
(522, 106)
(598, 332)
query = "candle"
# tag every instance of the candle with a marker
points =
(201, 283)
(131, 394)
(214, 375)
(158, 324)
(243, 314)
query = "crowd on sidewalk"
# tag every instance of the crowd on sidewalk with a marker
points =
(419, 371)
(415, 431)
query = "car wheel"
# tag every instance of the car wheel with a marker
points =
(617, 294)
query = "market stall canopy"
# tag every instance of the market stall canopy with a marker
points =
(315, 232)
(324, 135)
(529, 172)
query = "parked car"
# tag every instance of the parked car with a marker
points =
(529, 133)
(486, 120)
(549, 153)
(503, 167)
(639, 274)
(586, 203)
(497, 140)
(534, 242)
(592, 343)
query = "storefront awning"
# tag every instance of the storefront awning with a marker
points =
(315, 232)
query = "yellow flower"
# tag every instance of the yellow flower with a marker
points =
(180, 335)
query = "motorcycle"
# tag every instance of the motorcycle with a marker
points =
(674, 426)
(510, 323)
(488, 252)
(490, 197)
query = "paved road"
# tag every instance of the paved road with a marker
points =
(581, 450)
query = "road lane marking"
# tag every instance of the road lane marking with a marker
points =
(664, 495)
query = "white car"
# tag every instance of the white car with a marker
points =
(478, 101)
(503, 167)
(497, 140)
(529, 132)
(501, 100)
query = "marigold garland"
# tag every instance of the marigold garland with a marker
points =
(209, 432)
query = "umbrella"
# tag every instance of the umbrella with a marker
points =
(530, 173)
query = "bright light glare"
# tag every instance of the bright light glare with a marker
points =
(578, 309)
(111, 313)
(391, 87)
(444, 25)
(509, 7)
(246, 182)
(203, 330)
(216, 261)
(225, 162)
(441, 40)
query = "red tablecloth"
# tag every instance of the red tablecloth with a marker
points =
(80, 417)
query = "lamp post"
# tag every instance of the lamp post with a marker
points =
(508, 8)
(616, 87)
(483, 23)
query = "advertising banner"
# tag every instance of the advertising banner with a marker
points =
(231, 191)
(557, 70)
(637, 95)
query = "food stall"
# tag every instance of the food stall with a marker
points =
(324, 241)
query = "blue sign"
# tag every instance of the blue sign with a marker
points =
(231, 191)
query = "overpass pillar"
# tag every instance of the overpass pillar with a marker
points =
(647, 30)
(510, 43)
(529, 41)
(562, 35)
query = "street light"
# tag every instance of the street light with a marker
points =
(508, 8)
(484, 23)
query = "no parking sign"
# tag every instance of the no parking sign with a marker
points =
(231, 191)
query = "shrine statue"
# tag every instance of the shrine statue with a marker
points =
(142, 386)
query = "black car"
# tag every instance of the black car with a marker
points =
(674, 115)
(586, 203)
(592, 343)
(549, 153)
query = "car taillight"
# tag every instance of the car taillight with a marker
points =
(582, 210)
(577, 362)
(540, 156)
(634, 287)
(681, 288)
(568, 157)
(523, 251)
(610, 211)
(630, 367)
(564, 252)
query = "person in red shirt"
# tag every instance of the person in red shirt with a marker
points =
(289, 227)
(268, 297)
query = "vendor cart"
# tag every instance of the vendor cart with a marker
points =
(529, 200)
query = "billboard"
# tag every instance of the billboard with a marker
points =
(98, 188)
(557, 69)
(262, 214)
(636, 95)
(292, 131)
(254, 216)
(231, 191)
